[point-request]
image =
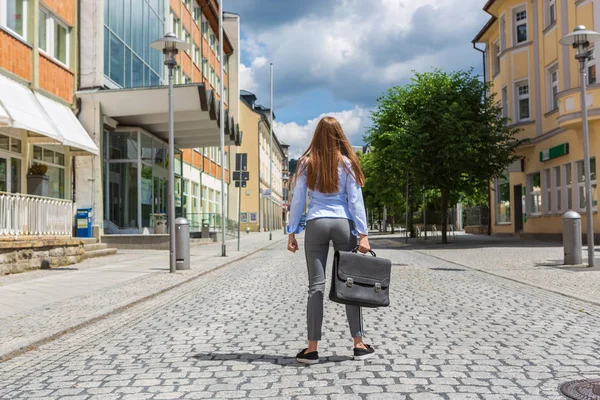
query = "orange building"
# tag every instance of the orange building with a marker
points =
(38, 74)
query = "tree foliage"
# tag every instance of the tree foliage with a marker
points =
(441, 132)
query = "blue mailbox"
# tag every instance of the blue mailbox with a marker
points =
(84, 222)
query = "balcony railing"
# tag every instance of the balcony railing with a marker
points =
(22, 214)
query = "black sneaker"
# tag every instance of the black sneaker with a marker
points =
(308, 358)
(363, 354)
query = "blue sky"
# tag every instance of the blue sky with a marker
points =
(336, 57)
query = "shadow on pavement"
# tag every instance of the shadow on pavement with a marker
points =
(284, 361)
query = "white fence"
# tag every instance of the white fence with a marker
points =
(22, 214)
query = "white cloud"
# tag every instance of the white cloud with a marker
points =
(354, 122)
(358, 49)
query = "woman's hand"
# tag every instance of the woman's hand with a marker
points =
(363, 244)
(292, 243)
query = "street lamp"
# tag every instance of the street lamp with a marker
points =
(170, 45)
(580, 39)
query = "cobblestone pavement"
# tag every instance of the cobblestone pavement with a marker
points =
(450, 333)
(38, 305)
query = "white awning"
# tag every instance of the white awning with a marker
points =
(67, 124)
(24, 111)
(21, 108)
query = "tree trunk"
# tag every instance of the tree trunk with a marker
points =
(444, 216)
(393, 225)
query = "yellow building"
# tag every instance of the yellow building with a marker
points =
(536, 79)
(255, 206)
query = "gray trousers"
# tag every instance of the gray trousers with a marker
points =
(319, 232)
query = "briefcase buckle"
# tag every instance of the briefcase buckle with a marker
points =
(349, 282)
(377, 287)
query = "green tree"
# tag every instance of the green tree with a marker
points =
(444, 133)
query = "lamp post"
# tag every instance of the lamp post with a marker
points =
(271, 164)
(170, 45)
(580, 39)
(222, 119)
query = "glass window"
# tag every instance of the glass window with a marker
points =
(123, 194)
(56, 182)
(503, 200)
(160, 153)
(569, 185)
(553, 89)
(591, 67)
(137, 72)
(137, 29)
(146, 148)
(48, 156)
(534, 190)
(523, 101)
(59, 159)
(15, 175)
(61, 36)
(37, 153)
(551, 12)
(16, 16)
(128, 73)
(15, 145)
(43, 31)
(117, 58)
(4, 142)
(521, 26)
(106, 52)
(147, 194)
(123, 146)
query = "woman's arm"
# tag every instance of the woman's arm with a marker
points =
(298, 203)
(357, 206)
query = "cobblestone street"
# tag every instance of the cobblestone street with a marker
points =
(451, 333)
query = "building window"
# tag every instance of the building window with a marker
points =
(197, 55)
(197, 14)
(55, 162)
(212, 77)
(503, 200)
(534, 194)
(522, 92)
(520, 19)
(186, 79)
(550, 12)
(504, 99)
(205, 68)
(204, 27)
(568, 185)
(591, 67)
(188, 4)
(557, 190)
(177, 75)
(175, 22)
(186, 38)
(581, 192)
(13, 15)
(553, 88)
(548, 191)
(212, 42)
(496, 57)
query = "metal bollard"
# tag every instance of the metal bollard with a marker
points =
(182, 244)
(572, 238)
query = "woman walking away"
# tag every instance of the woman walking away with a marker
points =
(330, 171)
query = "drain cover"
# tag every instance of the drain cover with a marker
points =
(582, 390)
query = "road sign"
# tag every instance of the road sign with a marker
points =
(241, 162)
(243, 183)
(241, 176)
(266, 192)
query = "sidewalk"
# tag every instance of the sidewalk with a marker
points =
(36, 306)
(535, 263)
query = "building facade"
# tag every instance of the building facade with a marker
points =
(256, 200)
(536, 80)
(125, 110)
(38, 75)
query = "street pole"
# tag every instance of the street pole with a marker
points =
(222, 119)
(172, 261)
(271, 164)
(586, 156)
(407, 211)
(424, 214)
(239, 211)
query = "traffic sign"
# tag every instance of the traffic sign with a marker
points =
(241, 162)
(243, 184)
(241, 176)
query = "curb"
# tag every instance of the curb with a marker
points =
(27, 348)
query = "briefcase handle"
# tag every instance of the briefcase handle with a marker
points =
(355, 250)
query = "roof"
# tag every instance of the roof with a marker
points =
(483, 30)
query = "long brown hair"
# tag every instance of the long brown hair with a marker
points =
(327, 150)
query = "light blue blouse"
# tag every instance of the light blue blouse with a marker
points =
(346, 203)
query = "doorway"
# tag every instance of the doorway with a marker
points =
(518, 195)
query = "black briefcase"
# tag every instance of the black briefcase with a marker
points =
(360, 280)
